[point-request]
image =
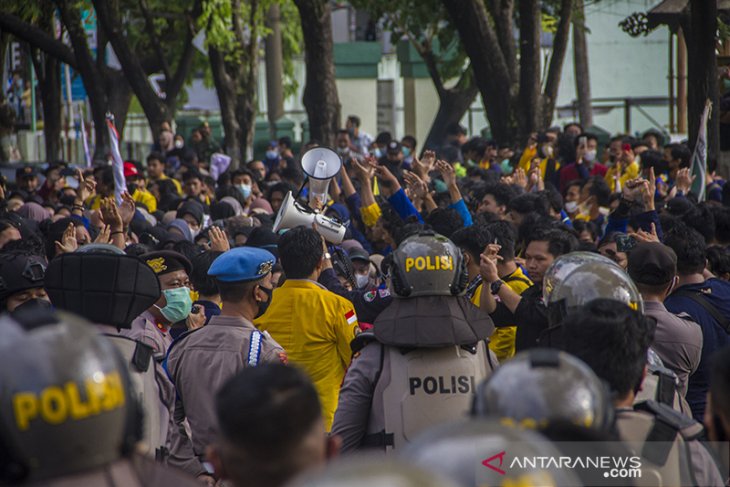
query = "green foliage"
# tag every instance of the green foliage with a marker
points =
(291, 41)
(636, 25)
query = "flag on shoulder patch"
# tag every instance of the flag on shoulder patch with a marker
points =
(351, 317)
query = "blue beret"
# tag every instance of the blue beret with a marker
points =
(242, 264)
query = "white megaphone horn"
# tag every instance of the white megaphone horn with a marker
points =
(320, 165)
(291, 214)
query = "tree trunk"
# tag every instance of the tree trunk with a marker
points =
(274, 70)
(453, 104)
(320, 91)
(529, 94)
(491, 71)
(555, 67)
(580, 65)
(503, 14)
(226, 92)
(50, 85)
(702, 73)
(120, 96)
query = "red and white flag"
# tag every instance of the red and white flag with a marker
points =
(120, 185)
(351, 317)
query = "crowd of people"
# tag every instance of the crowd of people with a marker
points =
(483, 294)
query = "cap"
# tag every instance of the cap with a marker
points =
(652, 263)
(242, 264)
(359, 254)
(166, 261)
(130, 170)
(193, 209)
(394, 146)
(25, 172)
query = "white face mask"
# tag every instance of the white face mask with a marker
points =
(361, 280)
(590, 156)
(571, 206)
(178, 144)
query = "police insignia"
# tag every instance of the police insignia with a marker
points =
(383, 293)
(369, 296)
(264, 268)
(157, 265)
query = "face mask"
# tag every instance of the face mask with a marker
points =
(571, 206)
(590, 156)
(272, 154)
(245, 190)
(33, 304)
(343, 151)
(178, 144)
(547, 150)
(505, 166)
(406, 151)
(378, 152)
(194, 232)
(264, 305)
(361, 280)
(178, 305)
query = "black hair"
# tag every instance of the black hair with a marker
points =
(553, 198)
(354, 119)
(566, 148)
(529, 203)
(455, 129)
(300, 251)
(156, 156)
(107, 177)
(681, 153)
(721, 215)
(472, 240)
(501, 193)
(504, 233)
(192, 174)
(293, 174)
(613, 340)
(234, 292)
(410, 139)
(572, 124)
(137, 249)
(285, 141)
(445, 221)
(282, 188)
(243, 172)
(343, 132)
(586, 226)
(718, 260)
(202, 282)
(652, 158)
(475, 144)
(702, 219)
(383, 138)
(690, 247)
(560, 242)
(576, 182)
(266, 412)
(599, 188)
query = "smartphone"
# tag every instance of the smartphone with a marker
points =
(72, 182)
(624, 243)
(582, 141)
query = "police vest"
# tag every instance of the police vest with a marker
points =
(138, 356)
(660, 435)
(419, 388)
(660, 385)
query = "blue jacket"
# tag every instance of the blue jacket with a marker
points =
(717, 292)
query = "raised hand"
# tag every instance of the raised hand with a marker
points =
(424, 165)
(684, 180)
(104, 235)
(126, 209)
(68, 241)
(110, 214)
(218, 239)
(416, 186)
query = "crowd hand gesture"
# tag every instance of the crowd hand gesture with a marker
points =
(218, 239)
(126, 209)
(535, 179)
(384, 174)
(447, 172)
(684, 180)
(488, 263)
(68, 241)
(86, 189)
(416, 186)
(644, 236)
(364, 170)
(648, 190)
(316, 204)
(424, 165)
(111, 215)
(196, 318)
(104, 235)
(519, 178)
(632, 189)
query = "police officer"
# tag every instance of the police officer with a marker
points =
(81, 282)
(426, 353)
(68, 415)
(174, 305)
(540, 386)
(202, 360)
(21, 280)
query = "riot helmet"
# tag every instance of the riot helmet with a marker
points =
(66, 405)
(589, 281)
(540, 386)
(102, 286)
(20, 271)
(426, 264)
(564, 265)
(483, 452)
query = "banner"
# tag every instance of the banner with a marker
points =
(120, 185)
(699, 156)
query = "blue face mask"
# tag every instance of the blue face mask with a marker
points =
(272, 154)
(178, 305)
(245, 189)
(406, 151)
(378, 153)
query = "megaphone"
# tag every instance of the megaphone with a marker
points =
(320, 164)
(292, 214)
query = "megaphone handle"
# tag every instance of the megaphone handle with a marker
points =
(306, 180)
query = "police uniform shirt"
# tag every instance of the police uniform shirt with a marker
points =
(146, 329)
(677, 341)
(201, 361)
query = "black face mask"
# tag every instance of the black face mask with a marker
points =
(33, 304)
(264, 305)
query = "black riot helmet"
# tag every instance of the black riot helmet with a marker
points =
(20, 271)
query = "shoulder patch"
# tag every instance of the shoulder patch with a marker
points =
(283, 358)
(369, 296)
(351, 317)
(384, 293)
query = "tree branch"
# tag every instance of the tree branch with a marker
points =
(37, 38)
(502, 12)
(157, 45)
(560, 46)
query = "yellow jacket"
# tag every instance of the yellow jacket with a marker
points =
(315, 327)
(527, 155)
(145, 197)
(178, 186)
(502, 341)
(630, 172)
